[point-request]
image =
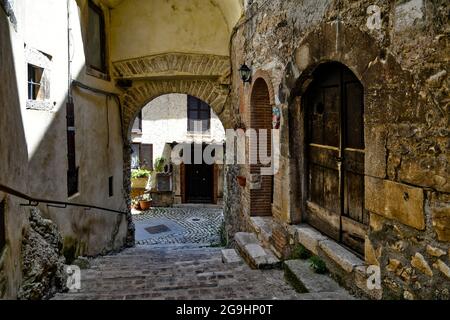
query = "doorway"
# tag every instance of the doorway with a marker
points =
(334, 104)
(199, 180)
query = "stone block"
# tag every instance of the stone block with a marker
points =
(435, 252)
(441, 222)
(376, 222)
(231, 256)
(375, 159)
(309, 237)
(309, 280)
(395, 201)
(419, 262)
(302, 57)
(244, 238)
(370, 254)
(341, 256)
(407, 14)
(441, 266)
(253, 253)
(374, 195)
(404, 204)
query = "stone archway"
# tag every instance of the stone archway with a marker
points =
(372, 66)
(205, 77)
(389, 99)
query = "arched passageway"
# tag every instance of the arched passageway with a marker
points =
(176, 189)
(334, 131)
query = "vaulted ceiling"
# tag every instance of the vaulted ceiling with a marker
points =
(147, 27)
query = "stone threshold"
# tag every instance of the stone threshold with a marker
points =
(305, 280)
(349, 269)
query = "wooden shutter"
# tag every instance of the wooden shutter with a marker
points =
(198, 112)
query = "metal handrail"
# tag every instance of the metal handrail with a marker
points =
(33, 202)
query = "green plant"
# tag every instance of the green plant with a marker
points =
(145, 197)
(223, 237)
(159, 164)
(140, 173)
(300, 252)
(318, 265)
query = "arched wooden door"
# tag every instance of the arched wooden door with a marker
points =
(335, 155)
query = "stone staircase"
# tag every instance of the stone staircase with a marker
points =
(171, 272)
(253, 252)
(297, 272)
(197, 272)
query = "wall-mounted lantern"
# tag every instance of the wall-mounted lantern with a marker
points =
(245, 72)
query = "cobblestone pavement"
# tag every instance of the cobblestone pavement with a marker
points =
(171, 272)
(179, 225)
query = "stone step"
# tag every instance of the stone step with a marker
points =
(305, 280)
(254, 254)
(230, 256)
(326, 296)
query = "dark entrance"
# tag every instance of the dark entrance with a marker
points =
(199, 180)
(335, 155)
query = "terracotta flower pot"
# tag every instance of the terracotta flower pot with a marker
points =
(145, 204)
(242, 181)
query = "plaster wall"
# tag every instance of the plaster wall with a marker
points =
(35, 150)
(141, 28)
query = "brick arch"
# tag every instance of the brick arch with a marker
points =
(261, 102)
(264, 75)
(203, 76)
(139, 95)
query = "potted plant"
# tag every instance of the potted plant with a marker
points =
(135, 204)
(139, 177)
(145, 202)
(159, 164)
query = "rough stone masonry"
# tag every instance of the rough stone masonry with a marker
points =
(402, 63)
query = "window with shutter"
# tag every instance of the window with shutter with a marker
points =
(96, 44)
(199, 115)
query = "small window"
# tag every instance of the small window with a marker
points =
(2, 226)
(72, 182)
(35, 87)
(111, 186)
(199, 115)
(96, 47)
(137, 125)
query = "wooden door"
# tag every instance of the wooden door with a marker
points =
(335, 155)
(199, 182)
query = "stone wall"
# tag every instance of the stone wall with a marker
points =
(400, 59)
